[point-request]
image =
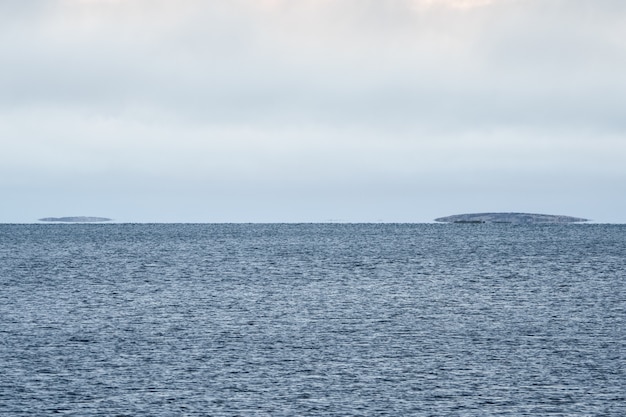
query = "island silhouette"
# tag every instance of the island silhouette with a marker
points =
(75, 219)
(517, 218)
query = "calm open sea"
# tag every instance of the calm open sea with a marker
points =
(313, 320)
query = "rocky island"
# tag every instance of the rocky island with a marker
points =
(75, 219)
(516, 218)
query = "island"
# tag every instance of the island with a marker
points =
(516, 218)
(75, 219)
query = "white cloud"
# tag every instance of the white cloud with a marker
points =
(319, 94)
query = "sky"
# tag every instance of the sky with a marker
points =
(311, 110)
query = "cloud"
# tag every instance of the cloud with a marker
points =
(325, 62)
(277, 94)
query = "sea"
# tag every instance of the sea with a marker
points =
(312, 320)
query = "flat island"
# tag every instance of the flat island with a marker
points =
(75, 219)
(517, 218)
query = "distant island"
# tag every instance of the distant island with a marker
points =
(517, 218)
(75, 219)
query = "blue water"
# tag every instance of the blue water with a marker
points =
(310, 320)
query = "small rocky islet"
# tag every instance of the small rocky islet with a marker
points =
(75, 219)
(514, 218)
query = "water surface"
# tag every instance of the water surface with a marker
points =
(313, 319)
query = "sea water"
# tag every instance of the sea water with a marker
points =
(313, 320)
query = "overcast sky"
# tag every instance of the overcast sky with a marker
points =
(311, 110)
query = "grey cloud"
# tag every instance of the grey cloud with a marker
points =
(320, 97)
(518, 68)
